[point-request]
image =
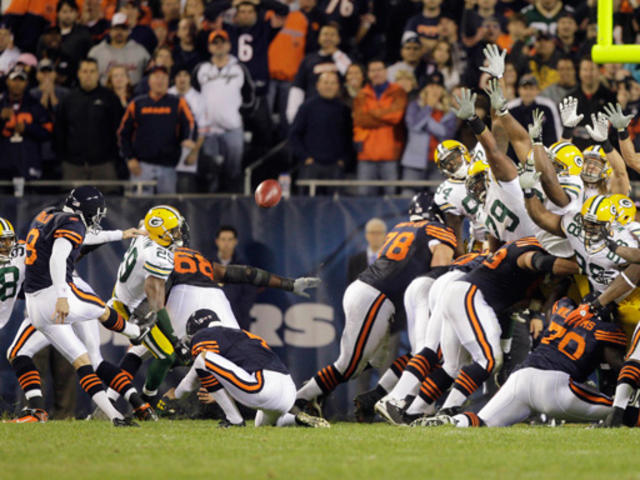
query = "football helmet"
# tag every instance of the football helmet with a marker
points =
(625, 208)
(452, 159)
(164, 224)
(7, 240)
(88, 203)
(202, 318)
(598, 213)
(420, 204)
(595, 164)
(566, 158)
(478, 180)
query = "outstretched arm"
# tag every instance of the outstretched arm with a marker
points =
(544, 262)
(262, 278)
(546, 220)
(599, 132)
(620, 122)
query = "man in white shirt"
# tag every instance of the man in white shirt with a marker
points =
(8, 53)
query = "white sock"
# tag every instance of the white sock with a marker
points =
(33, 393)
(420, 407)
(388, 380)
(624, 392)
(461, 421)
(228, 406)
(131, 330)
(407, 385)
(455, 399)
(105, 405)
(112, 394)
(149, 393)
(310, 390)
(505, 344)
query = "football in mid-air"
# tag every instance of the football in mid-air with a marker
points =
(268, 193)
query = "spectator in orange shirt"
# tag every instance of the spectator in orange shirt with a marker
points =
(378, 131)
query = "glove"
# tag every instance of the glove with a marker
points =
(495, 60)
(183, 353)
(498, 102)
(466, 104)
(147, 319)
(303, 283)
(600, 130)
(618, 119)
(569, 112)
(528, 180)
(535, 128)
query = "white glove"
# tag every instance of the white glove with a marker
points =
(569, 112)
(535, 128)
(528, 180)
(303, 283)
(600, 130)
(498, 102)
(495, 60)
(466, 104)
(618, 119)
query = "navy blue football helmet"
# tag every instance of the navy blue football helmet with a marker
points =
(89, 204)
(200, 319)
(423, 206)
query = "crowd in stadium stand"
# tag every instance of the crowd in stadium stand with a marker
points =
(188, 93)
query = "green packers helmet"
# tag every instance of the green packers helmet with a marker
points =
(598, 214)
(478, 180)
(7, 240)
(595, 164)
(567, 158)
(626, 210)
(452, 159)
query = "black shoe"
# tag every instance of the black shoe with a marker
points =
(614, 419)
(124, 422)
(227, 424)
(144, 331)
(365, 403)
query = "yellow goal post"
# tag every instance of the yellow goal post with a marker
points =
(604, 51)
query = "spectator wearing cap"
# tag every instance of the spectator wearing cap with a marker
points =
(187, 168)
(75, 38)
(592, 95)
(85, 128)
(566, 81)
(24, 125)
(327, 59)
(120, 51)
(543, 64)
(411, 60)
(378, 131)
(321, 117)
(227, 89)
(153, 131)
(543, 14)
(8, 52)
(143, 34)
(297, 38)
(425, 24)
(429, 121)
(566, 38)
(185, 54)
(28, 20)
(528, 100)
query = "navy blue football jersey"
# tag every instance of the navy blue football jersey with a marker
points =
(468, 262)
(404, 256)
(245, 349)
(346, 13)
(501, 281)
(575, 348)
(49, 225)
(190, 267)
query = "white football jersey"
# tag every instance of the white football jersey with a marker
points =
(634, 227)
(144, 258)
(451, 197)
(507, 218)
(600, 265)
(590, 191)
(11, 278)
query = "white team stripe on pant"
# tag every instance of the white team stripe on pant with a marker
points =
(28, 341)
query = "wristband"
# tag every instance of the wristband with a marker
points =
(476, 124)
(612, 245)
(567, 132)
(623, 134)
(529, 193)
(606, 146)
(287, 284)
(503, 111)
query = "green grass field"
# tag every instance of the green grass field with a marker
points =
(196, 449)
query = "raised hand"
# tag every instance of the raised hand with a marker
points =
(495, 60)
(535, 128)
(466, 104)
(569, 112)
(498, 102)
(618, 119)
(599, 132)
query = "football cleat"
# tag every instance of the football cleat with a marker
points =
(166, 407)
(311, 407)
(124, 422)
(145, 413)
(392, 411)
(365, 403)
(227, 424)
(305, 420)
(31, 415)
(435, 421)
